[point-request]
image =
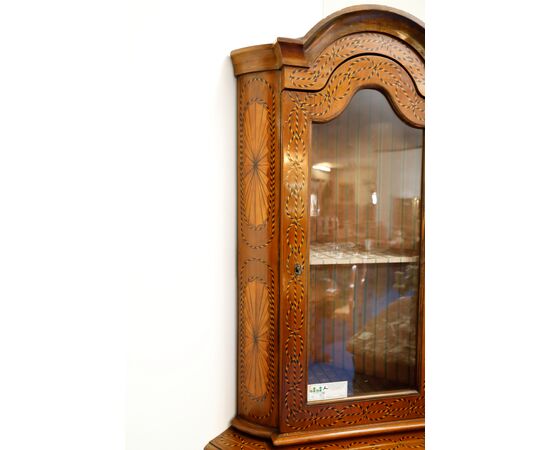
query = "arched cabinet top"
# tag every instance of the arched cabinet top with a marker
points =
(284, 90)
(372, 21)
(367, 71)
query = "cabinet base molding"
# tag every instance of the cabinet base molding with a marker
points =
(302, 437)
(235, 439)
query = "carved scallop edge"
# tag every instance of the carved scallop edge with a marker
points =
(296, 415)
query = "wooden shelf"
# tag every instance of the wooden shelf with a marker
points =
(326, 254)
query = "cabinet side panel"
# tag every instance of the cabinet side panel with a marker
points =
(258, 231)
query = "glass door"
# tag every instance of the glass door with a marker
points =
(365, 232)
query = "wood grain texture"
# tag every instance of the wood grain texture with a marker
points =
(257, 157)
(233, 439)
(304, 51)
(296, 132)
(258, 150)
(362, 72)
(256, 306)
(281, 89)
(316, 75)
(255, 164)
(359, 18)
(299, 109)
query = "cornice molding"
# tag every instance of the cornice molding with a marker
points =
(303, 51)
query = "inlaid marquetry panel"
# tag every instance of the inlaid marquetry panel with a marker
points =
(257, 333)
(258, 170)
(257, 159)
(255, 164)
(299, 110)
(314, 77)
(232, 439)
(363, 72)
(256, 330)
(282, 88)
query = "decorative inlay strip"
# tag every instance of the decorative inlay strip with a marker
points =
(258, 171)
(367, 71)
(299, 109)
(296, 131)
(232, 439)
(315, 77)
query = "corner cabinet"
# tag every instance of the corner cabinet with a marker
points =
(331, 237)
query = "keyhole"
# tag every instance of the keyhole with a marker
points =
(298, 269)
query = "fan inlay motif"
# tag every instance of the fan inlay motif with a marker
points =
(255, 164)
(256, 338)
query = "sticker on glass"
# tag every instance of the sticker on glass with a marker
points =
(327, 391)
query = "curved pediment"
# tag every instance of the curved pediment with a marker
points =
(315, 76)
(367, 71)
(303, 52)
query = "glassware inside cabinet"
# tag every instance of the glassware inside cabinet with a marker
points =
(365, 232)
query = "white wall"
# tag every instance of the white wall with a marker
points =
(182, 312)
(414, 7)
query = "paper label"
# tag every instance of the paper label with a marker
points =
(327, 391)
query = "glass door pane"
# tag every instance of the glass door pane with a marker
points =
(365, 214)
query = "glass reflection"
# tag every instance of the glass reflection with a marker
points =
(366, 169)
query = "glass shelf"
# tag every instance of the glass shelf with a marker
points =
(365, 223)
(327, 254)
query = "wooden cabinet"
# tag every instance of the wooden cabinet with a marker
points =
(330, 237)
